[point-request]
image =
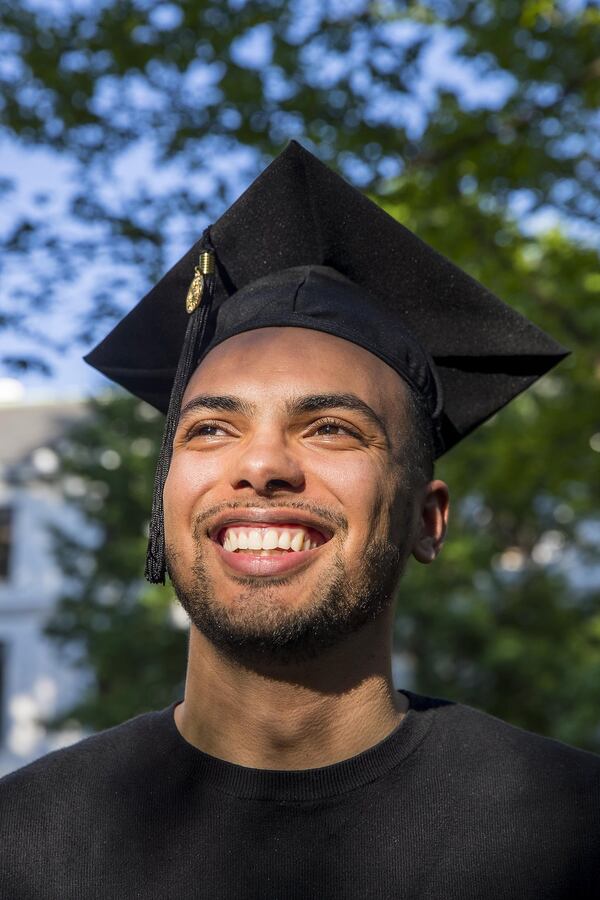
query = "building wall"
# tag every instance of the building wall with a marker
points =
(37, 679)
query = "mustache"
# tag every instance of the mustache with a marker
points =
(329, 516)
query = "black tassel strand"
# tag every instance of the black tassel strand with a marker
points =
(198, 303)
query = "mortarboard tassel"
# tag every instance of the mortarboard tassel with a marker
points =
(198, 303)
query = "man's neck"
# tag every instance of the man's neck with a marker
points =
(331, 709)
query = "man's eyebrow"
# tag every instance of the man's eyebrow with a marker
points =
(295, 407)
(218, 403)
(321, 402)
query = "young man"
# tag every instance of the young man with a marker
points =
(328, 358)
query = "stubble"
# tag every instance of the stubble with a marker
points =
(262, 626)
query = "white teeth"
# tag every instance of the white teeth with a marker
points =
(294, 539)
(254, 540)
(297, 541)
(285, 540)
(270, 539)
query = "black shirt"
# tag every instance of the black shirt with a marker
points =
(452, 804)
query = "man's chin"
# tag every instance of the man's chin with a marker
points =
(258, 621)
(257, 604)
(288, 618)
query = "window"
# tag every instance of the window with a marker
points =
(5, 541)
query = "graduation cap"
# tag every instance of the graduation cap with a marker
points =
(301, 247)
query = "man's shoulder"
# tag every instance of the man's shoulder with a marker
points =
(73, 810)
(488, 747)
(509, 802)
(92, 760)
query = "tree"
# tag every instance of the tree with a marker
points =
(472, 122)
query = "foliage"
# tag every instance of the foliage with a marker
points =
(475, 124)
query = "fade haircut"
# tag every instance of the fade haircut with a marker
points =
(418, 445)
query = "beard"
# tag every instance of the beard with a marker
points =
(258, 628)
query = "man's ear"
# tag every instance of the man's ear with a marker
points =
(432, 521)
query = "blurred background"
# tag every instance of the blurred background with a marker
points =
(126, 127)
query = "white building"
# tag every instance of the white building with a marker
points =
(36, 679)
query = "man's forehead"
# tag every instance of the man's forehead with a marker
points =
(294, 362)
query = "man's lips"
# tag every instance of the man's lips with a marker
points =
(263, 562)
(267, 542)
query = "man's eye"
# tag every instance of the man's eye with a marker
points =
(334, 429)
(206, 430)
(330, 429)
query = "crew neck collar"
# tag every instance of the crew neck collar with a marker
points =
(304, 784)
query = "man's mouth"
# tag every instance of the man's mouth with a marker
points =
(269, 539)
(266, 543)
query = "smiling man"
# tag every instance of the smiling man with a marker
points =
(313, 358)
(291, 508)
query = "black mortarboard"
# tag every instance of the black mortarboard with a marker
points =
(302, 247)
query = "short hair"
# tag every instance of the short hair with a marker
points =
(418, 445)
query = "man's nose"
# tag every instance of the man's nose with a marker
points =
(267, 464)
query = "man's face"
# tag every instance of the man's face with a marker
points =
(288, 513)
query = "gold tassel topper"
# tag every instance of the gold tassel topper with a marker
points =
(206, 266)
